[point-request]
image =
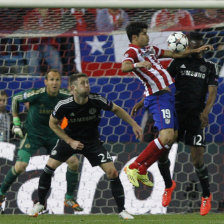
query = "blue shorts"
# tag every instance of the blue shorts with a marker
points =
(162, 107)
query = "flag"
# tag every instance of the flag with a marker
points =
(101, 55)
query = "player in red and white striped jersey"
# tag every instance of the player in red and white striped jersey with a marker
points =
(142, 60)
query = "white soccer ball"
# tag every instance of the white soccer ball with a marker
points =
(177, 42)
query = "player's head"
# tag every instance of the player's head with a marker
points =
(3, 100)
(195, 40)
(79, 84)
(53, 82)
(137, 33)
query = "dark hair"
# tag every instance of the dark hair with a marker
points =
(135, 28)
(52, 70)
(74, 77)
(195, 39)
(195, 36)
(3, 93)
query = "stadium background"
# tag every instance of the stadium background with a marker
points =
(106, 78)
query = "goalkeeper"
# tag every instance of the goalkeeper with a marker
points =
(38, 134)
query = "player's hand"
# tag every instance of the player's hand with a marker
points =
(136, 107)
(138, 132)
(144, 64)
(76, 145)
(205, 48)
(16, 129)
(204, 119)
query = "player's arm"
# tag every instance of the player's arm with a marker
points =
(121, 113)
(212, 92)
(54, 124)
(188, 51)
(137, 107)
(128, 66)
(18, 98)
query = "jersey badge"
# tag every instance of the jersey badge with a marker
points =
(126, 55)
(92, 110)
(53, 152)
(203, 68)
(147, 52)
(72, 114)
(183, 66)
(27, 146)
(167, 121)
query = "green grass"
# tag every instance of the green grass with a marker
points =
(114, 219)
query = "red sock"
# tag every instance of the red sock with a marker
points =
(154, 147)
(142, 169)
(151, 153)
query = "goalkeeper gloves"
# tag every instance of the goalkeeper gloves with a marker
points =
(16, 129)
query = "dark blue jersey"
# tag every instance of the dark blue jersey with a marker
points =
(192, 78)
(83, 120)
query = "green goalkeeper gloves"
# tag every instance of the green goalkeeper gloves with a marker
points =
(16, 129)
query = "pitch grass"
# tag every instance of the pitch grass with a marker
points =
(114, 219)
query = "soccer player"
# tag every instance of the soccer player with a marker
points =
(38, 134)
(142, 60)
(194, 78)
(81, 136)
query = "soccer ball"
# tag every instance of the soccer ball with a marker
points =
(177, 42)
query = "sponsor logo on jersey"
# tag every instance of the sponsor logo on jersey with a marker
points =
(83, 119)
(92, 110)
(183, 66)
(193, 74)
(72, 114)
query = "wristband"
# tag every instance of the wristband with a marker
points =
(16, 121)
(134, 65)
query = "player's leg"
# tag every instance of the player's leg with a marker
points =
(71, 175)
(99, 156)
(164, 168)
(197, 154)
(195, 138)
(24, 154)
(59, 154)
(72, 180)
(164, 115)
(10, 177)
(116, 188)
(44, 185)
(170, 185)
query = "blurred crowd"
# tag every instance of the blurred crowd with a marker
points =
(43, 40)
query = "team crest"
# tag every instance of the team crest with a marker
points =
(167, 121)
(53, 152)
(27, 146)
(126, 55)
(92, 110)
(203, 68)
